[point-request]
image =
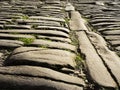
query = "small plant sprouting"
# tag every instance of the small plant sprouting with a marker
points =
(26, 41)
(79, 61)
(25, 17)
(67, 20)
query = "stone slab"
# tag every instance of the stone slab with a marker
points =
(10, 43)
(53, 28)
(38, 22)
(41, 73)
(37, 58)
(95, 65)
(17, 26)
(112, 32)
(76, 22)
(115, 42)
(57, 52)
(110, 58)
(15, 36)
(50, 33)
(112, 37)
(32, 83)
(53, 44)
(59, 39)
(47, 18)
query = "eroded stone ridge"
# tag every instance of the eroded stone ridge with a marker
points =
(36, 50)
(101, 17)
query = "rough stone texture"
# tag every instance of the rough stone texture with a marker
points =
(115, 43)
(47, 18)
(55, 38)
(32, 83)
(41, 73)
(96, 68)
(15, 36)
(54, 28)
(110, 58)
(40, 59)
(38, 22)
(10, 43)
(53, 44)
(75, 23)
(112, 37)
(62, 53)
(40, 32)
(17, 27)
(112, 32)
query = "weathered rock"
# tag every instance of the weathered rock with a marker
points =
(1, 26)
(117, 48)
(115, 43)
(76, 22)
(10, 43)
(51, 7)
(53, 44)
(57, 52)
(52, 2)
(17, 26)
(96, 67)
(41, 73)
(15, 36)
(50, 33)
(111, 60)
(32, 83)
(38, 22)
(41, 59)
(47, 18)
(59, 39)
(112, 32)
(112, 37)
(53, 28)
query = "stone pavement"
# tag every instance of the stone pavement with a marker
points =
(57, 45)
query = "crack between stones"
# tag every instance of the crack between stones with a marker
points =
(25, 75)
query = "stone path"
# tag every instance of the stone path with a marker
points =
(36, 49)
(54, 45)
(101, 53)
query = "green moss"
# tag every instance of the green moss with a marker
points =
(67, 20)
(79, 62)
(26, 41)
(34, 26)
(25, 17)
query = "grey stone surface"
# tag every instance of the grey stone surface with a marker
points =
(50, 33)
(75, 23)
(52, 7)
(47, 18)
(38, 22)
(114, 43)
(41, 73)
(40, 59)
(112, 37)
(53, 44)
(52, 2)
(57, 52)
(112, 32)
(10, 43)
(1, 26)
(32, 83)
(59, 39)
(17, 26)
(96, 68)
(54, 28)
(117, 48)
(15, 36)
(110, 58)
